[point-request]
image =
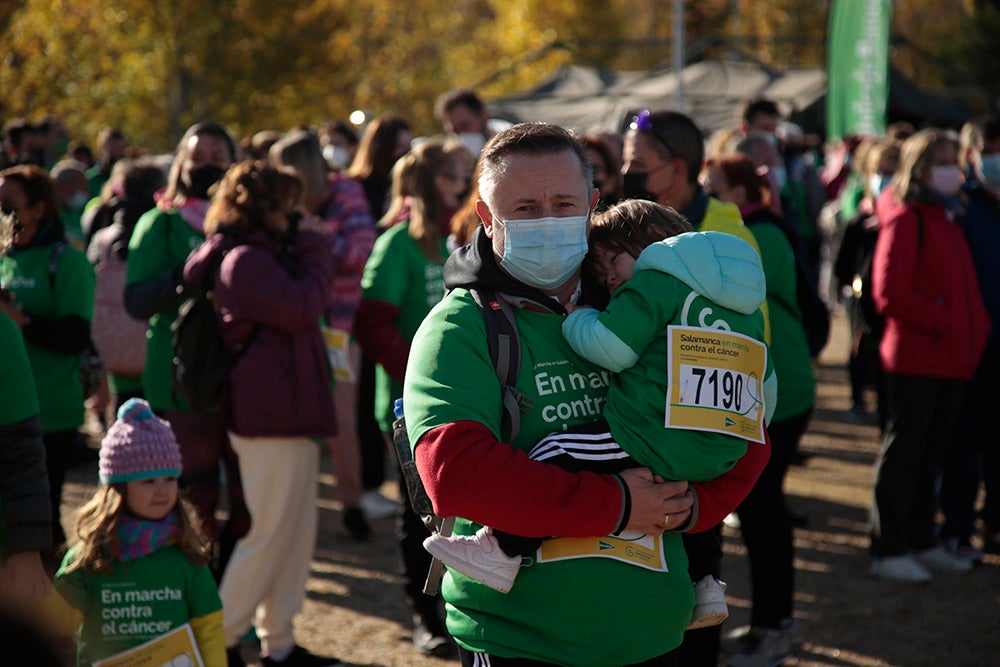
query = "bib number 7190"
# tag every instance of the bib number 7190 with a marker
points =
(716, 382)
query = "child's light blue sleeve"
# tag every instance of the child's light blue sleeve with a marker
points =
(595, 342)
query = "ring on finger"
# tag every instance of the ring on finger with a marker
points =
(666, 520)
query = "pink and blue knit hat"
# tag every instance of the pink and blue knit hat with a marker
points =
(139, 445)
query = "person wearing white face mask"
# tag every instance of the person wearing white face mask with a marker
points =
(463, 114)
(72, 190)
(973, 439)
(536, 197)
(935, 332)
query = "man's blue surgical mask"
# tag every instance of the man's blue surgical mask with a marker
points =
(544, 252)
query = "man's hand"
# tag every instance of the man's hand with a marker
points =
(22, 579)
(657, 505)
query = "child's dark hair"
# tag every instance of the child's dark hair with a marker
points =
(632, 225)
(96, 532)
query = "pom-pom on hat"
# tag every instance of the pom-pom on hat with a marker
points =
(139, 445)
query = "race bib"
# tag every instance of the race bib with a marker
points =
(635, 549)
(716, 382)
(338, 349)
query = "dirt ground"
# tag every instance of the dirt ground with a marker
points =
(355, 608)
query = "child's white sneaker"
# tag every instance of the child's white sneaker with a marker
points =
(709, 603)
(476, 556)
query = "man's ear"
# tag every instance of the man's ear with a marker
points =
(486, 216)
(595, 194)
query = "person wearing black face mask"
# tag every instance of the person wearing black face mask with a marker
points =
(154, 289)
(663, 156)
(200, 179)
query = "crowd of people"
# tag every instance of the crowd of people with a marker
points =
(603, 344)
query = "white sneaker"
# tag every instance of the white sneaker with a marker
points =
(758, 647)
(377, 506)
(939, 559)
(709, 603)
(901, 569)
(476, 556)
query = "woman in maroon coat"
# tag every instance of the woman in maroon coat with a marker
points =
(271, 285)
(936, 326)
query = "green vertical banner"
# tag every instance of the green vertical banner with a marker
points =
(857, 67)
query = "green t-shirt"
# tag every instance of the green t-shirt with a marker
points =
(140, 600)
(161, 242)
(638, 314)
(124, 384)
(589, 611)
(25, 272)
(71, 221)
(16, 387)
(399, 273)
(790, 348)
(95, 180)
(16, 383)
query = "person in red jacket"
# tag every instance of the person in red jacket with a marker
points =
(935, 331)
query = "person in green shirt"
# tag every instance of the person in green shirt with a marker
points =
(137, 568)
(26, 518)
(112, 146)
(402, 281)
(50, 296)
(766, 523)
(154, 290)
(72, 193)
(663, 156)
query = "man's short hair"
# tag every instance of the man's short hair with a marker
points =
(529, 139)
(680, 138)
(758, 106)
(458, 97)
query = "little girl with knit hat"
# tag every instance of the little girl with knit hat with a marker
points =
(137, 568)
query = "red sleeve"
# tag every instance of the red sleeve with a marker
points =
(718, 497)
(375, 329)
(469, 473)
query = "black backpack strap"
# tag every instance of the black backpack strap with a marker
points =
(504, 343)
(57, 250)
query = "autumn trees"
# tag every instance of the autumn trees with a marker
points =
(153, 67)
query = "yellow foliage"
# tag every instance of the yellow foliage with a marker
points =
(153, 68)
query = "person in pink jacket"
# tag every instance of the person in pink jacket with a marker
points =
(935, 331)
